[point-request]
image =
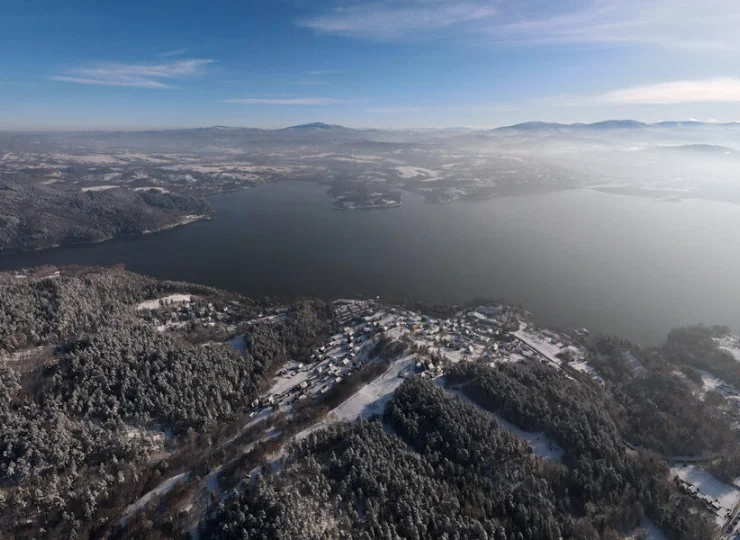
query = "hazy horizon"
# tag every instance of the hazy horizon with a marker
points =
(565, 124)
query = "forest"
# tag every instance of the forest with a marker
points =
(35, 216)
(90, 392)
(658, 397)
(603, 472)
(450, 471)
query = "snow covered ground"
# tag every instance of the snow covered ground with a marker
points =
(710, 489)
(371, 399)
(97, 159)
(24, 355)
(540, 344)
(155, 188)
(170, 299)
(407, 172)
(730, 344)
(162, 489)
(288, 381)
(710, 382)
(585, 367)
(541, 444)
(97, 188)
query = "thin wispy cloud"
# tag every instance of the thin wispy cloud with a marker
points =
(283, 101)
(395, 110)
(170, 54)
(316, 77)
(725, 90)
(394, 19)
(156, 75)
(669, 23)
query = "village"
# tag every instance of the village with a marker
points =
(488, 333)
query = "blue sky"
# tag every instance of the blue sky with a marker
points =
(383, 63)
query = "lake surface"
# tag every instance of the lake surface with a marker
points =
(614, 264)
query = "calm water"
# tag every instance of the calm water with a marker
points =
(615, 264)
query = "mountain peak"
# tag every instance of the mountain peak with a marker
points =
(315, 125)
(525, 126)
(616, 124)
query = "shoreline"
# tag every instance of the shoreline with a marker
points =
(179, 223)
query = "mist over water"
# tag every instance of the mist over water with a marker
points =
(617, 264)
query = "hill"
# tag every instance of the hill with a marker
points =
(137, 408)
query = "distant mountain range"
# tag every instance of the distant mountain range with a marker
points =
(531, 136)
(609, 125)
(604, 125)
(322, 127)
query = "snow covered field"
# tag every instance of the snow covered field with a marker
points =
(97, 188)
(371, 399)
(170, 299)
(286, 382)
(407, 172)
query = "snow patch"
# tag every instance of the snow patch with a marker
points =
(407, 172)
(171, 299)
(162, 489)
(729, 344)
(97, 188)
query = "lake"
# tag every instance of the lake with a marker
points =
(612, 263)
